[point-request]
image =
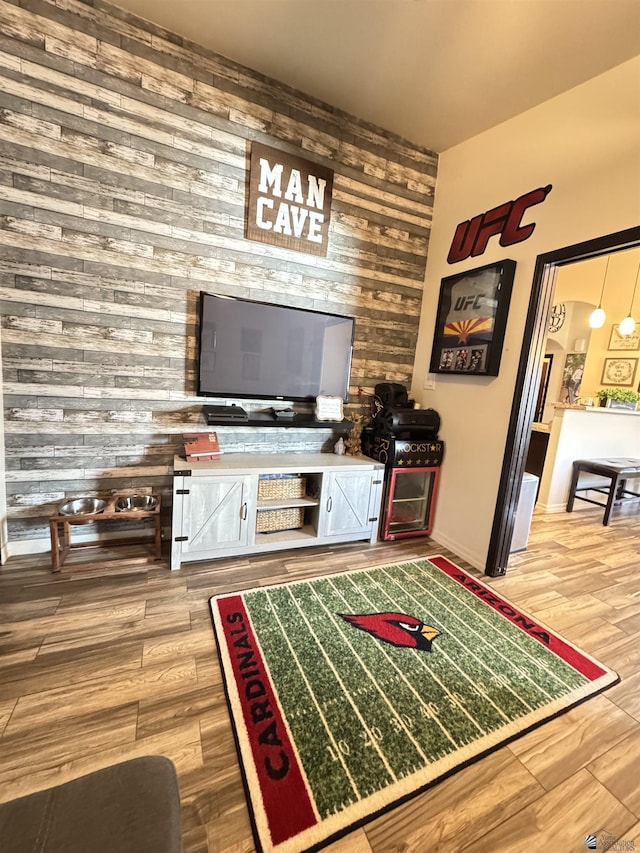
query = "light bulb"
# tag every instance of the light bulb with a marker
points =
(597, 318)
(627, 326)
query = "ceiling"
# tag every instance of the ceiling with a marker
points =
(436, 72)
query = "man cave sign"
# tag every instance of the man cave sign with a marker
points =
(288, 201)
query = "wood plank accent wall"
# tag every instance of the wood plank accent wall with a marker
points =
(123, 152)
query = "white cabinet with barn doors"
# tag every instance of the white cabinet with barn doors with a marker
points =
(249, 503)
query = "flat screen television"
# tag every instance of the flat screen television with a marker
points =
(273, 352)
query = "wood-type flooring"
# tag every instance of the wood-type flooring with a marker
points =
(100, 667)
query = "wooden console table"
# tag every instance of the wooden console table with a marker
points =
(61, 544)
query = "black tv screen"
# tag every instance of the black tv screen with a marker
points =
(274, 352)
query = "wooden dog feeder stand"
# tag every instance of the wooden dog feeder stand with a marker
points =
(61, 544)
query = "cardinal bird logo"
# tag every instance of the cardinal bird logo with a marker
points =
(398, 629)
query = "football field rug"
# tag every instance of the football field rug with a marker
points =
(352, 692)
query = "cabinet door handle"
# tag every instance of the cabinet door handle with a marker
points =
(329, 503)
(244, 511)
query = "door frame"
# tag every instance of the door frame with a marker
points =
(528, 379)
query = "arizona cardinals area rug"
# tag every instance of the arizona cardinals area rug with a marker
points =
(352, 692)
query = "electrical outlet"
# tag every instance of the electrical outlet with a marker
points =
(430, 382)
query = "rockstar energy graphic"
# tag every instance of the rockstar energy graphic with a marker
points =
(414, 453)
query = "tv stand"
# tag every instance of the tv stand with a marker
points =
(215, 416)
(227, 507)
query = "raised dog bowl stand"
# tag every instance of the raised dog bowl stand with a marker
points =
(61, 545)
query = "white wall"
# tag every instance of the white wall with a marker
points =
(585, 143)
(584, 280)
(593, 433)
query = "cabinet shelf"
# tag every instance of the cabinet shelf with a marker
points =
(397, 526)
(299, 534)
(283, 503)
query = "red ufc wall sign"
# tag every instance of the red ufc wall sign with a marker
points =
(288, 201)
(472, 236)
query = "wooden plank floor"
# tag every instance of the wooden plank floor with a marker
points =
(97, 668)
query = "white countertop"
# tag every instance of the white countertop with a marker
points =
(604, 410)
(593, 410)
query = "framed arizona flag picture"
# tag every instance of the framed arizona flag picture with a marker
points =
(471, 320)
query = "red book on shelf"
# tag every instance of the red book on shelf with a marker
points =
(201, 445)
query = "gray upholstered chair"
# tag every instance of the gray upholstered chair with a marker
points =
(132, 807)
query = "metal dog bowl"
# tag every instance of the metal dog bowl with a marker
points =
(82, 506)
(136, 503)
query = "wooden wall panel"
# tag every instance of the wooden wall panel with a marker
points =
(123, 152)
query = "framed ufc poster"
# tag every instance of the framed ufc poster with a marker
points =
(471, 320)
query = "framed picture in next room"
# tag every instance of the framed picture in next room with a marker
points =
(471, 320)
(572, 377)
(619, 371)
(623, 342)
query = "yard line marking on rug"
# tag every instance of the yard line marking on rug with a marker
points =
(487, 623)
(346, 694)
(445, 691)
(435, 718)
(464, 675)
(479, 689)
(335, 713)
(532, 629)
(443, 686)
(343, 631)
(512, 631)
(506, 659)
(315, 702)
(371, 726)
(561, 647)
(507, 638)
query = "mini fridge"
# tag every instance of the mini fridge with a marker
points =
(410, 502)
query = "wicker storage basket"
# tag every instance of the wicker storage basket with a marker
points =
(284, 487)
(271, 520)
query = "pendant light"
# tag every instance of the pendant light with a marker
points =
(628, 325)
(597, 318)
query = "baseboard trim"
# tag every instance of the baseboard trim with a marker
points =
(476, 560)
(550, 508)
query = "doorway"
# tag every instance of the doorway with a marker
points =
(528, 381)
